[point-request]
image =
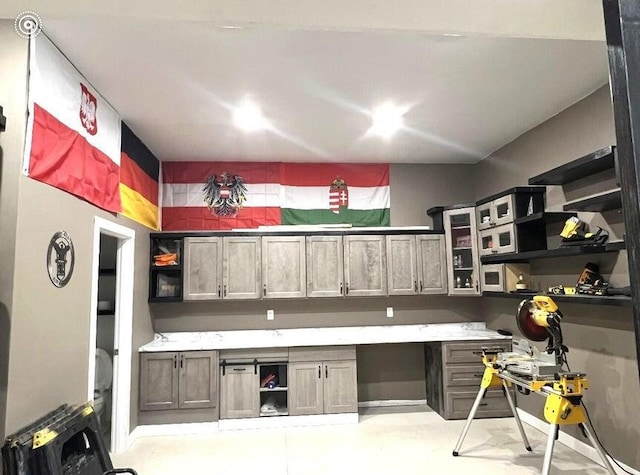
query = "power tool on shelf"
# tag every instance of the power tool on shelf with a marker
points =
(575, 233)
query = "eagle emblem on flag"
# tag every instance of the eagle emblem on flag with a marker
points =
(338, 195)
(225, 195)
(88, 109)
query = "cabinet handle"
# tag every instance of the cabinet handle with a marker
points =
(319, 372)
(484, 404)
(175, 361)
(340, 288)
(477, 352)
(421, 286)
(181, 361)
(219, 294)
(415, 286)
(326, 371)
(225, 290)
(346, 291)
(239, 369)
(478, 375)
(264, 290)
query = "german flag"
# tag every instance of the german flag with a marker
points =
(139, 174)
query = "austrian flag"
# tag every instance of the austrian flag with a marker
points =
(73, 134)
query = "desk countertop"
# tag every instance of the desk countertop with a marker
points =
(365, 335)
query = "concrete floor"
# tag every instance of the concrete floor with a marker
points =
(389, 441)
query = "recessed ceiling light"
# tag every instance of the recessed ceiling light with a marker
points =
(249, 118)
(387, 119)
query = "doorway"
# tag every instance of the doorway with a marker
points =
(111, 329)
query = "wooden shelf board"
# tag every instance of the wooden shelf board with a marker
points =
(462, 268)
(597, 203)
(615, 300)
(560, 252)
(600, 160)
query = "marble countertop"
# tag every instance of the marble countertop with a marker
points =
(366, 335)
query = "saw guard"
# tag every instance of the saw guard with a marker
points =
(526, 323)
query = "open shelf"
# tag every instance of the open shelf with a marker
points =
(274, 414)
(614, 300)
(597, 203)
(546, 216)
(603, 159)
(276, 389)
(560, 252)
(170, 268)
(166, 299)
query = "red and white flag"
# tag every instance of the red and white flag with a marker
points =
(73, 134)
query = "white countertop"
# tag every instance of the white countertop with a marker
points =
(238, 339)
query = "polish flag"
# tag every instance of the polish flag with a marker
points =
(73, 134)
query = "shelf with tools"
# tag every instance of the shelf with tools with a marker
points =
(548, 253)
(611, 300)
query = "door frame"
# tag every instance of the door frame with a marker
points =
(123, 327)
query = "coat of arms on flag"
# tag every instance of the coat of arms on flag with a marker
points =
(225, 195)
(88, 108)
(338, 195)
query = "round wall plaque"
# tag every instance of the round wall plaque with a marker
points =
(60, 259)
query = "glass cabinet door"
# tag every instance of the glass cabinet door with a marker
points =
(462, 251)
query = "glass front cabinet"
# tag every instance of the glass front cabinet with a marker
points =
(462, 251)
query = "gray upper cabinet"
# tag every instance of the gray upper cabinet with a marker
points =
(402, 275)
(305, 389)
(365, 265)
(283, 267)
(340, 387)
(203, 268)
(325, 276)
(158, 381)
(432, 268)
(239, 396)
(242, 268)
(198, 379)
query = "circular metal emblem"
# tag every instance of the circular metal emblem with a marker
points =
(60, 259)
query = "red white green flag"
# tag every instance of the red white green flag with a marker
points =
(236, 195)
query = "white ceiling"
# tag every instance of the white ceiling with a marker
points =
(175, 81)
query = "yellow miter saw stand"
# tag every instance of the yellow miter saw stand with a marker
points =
(540, 372)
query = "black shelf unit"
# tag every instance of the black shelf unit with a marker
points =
(166, 282)
(560, 252)
(598, 203)
(600, 160)
(616, 301)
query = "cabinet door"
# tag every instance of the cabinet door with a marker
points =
(402, 275)
(340, 387)
(432, 268)
(324, 266)
(497, 240)
(283, 267)
(365, 265)
(158, 381)
(239, 392)
(203, 268)
(305, 388)
(242, 268)
(198, 379)
(462, 251)
(503, 210)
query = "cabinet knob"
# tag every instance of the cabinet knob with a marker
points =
(326, 371)
(319, 372)
(225, 290)
(340, 288)
(421, 286)
(219, 294)
(181, 361)
(264, 290)
(175, 361)
(346, 291)
(415, 286)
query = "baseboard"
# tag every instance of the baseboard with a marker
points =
(393, 402)
(570, 441)
(155, 430)
(286, 422)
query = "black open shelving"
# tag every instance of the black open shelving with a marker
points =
(546, 216)
(597, 203)
(601, 160)
(614, 300)
(560, 252)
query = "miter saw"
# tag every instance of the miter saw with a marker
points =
(537, 319)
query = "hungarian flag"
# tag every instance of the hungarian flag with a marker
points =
(139, 174)
(73, 134)
(236, 195)
(332, 193)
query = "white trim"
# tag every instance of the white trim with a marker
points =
(579, 446)
(121, 388)
(154, 430)
(393, 403)
(284, 422)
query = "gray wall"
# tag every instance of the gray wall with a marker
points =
(13, 91)
(600, 338)
(49, 337)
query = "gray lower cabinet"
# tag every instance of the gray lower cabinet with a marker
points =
(453, 374)
(239, 396)
(365, 265)
(178, 380)
(283, 267)
(325, 262)
(322, 381)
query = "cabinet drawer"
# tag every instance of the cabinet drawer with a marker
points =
(470, 352)
(494, 404)
(463, 375)
(322, 353)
